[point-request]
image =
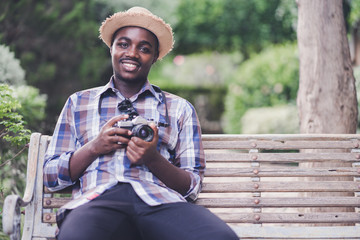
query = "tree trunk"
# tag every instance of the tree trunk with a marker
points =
(327, 96)
(326, 100)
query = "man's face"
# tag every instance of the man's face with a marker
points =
(133, 52)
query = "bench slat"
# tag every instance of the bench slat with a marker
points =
(337, 217)
(67, 190)
(263, 144)
(332, 217)
(338, 186)
(233, 156)
(289, 232)
(250, 202)
(280, 137)
(282, 172)
(55, 202)
(265, 202)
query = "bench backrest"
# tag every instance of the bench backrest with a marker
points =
(265, 186)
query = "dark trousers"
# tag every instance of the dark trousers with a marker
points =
(120, 214)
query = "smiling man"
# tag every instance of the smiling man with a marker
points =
(131, 152)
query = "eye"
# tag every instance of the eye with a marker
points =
(145, 49)
(123, 44)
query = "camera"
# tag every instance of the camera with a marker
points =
(139, 127)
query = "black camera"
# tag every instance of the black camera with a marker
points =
(139, 127)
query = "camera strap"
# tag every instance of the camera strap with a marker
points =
(167, 119)
(157, 89)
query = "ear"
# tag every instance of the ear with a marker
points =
(154, 61)
(155, 58)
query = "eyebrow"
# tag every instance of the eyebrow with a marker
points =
(141, 42)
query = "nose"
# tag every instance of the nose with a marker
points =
(132, 52)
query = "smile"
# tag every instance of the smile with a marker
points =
(130, 66)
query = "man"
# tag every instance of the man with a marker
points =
(130, 184)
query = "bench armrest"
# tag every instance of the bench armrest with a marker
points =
(13, 203)
(12, 217)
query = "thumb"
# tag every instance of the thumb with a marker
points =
(156, 131)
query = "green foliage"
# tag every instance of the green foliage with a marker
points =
(233, 25)
(204, 69)
(32, 105)
(57, 43)
(280, 119)
(164, 8)
(357, 84)
(201, 79)
(354, 15)
(20, 104)
(10, 69)
(11, 123)
(207, 100)
(266, 79)
(13, 139)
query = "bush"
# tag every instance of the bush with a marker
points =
(32, 106)
(10, 70)
(266, 79)
(208, 102)
(206, 69)
(280, 119)
(21, 107)
(201, 79)
(357, 84)
(11, 123)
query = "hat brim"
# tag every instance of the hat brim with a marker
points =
(152, 23)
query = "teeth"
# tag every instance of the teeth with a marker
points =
(129, 65)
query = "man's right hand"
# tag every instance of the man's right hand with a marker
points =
(111, 138)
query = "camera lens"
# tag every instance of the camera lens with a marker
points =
(144, 132)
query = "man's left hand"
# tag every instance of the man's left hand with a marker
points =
(141, 152)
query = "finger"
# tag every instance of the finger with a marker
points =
(121, 140)
(135, 143)
(119, 131)
(133, 156)
(115, 119)
(129, 153)
(113, 131)
(156, 131)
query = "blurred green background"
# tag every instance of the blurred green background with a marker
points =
(236, 61)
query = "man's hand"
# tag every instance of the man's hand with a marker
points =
(110, 138)
(141, 152)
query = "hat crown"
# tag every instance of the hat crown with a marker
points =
(139, 10)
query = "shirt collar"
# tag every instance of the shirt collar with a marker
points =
(147, 87)
(150, 88)
(109, 85)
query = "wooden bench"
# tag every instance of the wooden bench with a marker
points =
(260, 185)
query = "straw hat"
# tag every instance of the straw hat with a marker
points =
(139, 17)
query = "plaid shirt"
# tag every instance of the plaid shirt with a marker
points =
(81, 119)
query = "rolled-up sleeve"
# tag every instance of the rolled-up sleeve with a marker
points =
(60, 150)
